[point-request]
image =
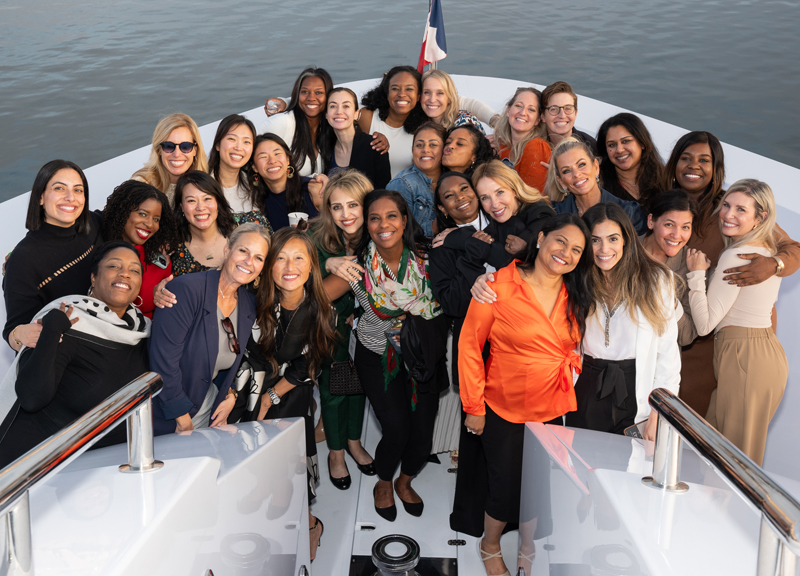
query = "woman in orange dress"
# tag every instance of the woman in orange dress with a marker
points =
(534, 326)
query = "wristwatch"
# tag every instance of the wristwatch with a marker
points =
(780, 265)
(273, 396)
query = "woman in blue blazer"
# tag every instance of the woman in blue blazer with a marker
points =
(195, 344)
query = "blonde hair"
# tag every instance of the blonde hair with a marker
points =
(153, 172)
(451, 111)
(764, 199)
(502, 130)
(552, 187)
(353, 183)
(502, 174)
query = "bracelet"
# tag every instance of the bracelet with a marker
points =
(16, 340)
(780, 265)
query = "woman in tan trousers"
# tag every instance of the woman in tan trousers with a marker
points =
(749, 362)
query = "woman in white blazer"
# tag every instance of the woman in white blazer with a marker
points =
(630, 346)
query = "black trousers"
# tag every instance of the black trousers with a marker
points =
(407, 434)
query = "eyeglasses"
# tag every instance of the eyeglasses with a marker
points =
(185, 147)
(233, 343)
(569, 110)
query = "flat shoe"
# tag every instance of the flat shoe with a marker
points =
(389, 513)
(365, 469)
(341, 483)
(413, 508)
(484, 556)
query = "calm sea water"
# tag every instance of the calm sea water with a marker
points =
(89, 80)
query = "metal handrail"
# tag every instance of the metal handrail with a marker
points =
(133, 401)
(779, 543)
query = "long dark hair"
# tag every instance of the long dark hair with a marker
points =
(326, 141)
(377, 99)
(675, 200)
(319, 334)
(413, 236)
(650, 172)
(124, 200)
(711, 196)
(35, 217)
(226, 125)
(579, 298)
(302, 143)
(294, 186)
(202, 181)
(637, 280)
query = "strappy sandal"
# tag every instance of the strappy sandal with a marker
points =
(528, 558)
(484, 556)
(321, 532)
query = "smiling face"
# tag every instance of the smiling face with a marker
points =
(236, 147)
(311, 98)
(459, 150)
(199, 208)
(560, 251)
(292, 267)
(434, 99)
(347, 212)
(385, 224)
(623, 149)
(64, 198)
(245, 259)
(498, 200)
(427, 150)
(577, 173)
(695, 168)
(671, 231)
(523, 114)
(562, 123)
(177, 162)
(607, 244)
(271, 162)
(341, 110)
(403, 93)
(118, 279)
(143, 222)
(738, 215)
(458, 199)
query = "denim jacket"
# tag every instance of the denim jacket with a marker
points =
(416, 189)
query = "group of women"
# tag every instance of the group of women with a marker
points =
(338, 246)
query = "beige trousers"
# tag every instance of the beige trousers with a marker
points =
(751, 371)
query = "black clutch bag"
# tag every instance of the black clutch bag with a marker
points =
(344, 379)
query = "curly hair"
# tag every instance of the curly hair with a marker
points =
(124, 200)
(378, 98)
(319, 334)
(482, 148)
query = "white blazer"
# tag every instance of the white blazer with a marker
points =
(658, 358)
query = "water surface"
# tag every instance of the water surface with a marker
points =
(89, 80)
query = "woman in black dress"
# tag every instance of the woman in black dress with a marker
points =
(89, 347)
(55, 257)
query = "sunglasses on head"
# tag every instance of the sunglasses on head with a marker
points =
(185, 147)
(233, 343)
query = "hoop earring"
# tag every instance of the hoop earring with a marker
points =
(290, 172)
(255, 180)
(141, 301)
(257, 281)
(91, 289)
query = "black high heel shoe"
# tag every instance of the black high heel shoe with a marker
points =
(321, 531)
(341, 483)
(389, 513)
(365, 469)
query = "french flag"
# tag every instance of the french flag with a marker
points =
(434, 46)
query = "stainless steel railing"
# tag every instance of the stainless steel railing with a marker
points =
(779, 541)
(133, 401)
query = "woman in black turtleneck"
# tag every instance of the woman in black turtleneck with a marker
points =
(55, 257)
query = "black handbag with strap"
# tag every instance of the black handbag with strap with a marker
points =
(344, 379)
